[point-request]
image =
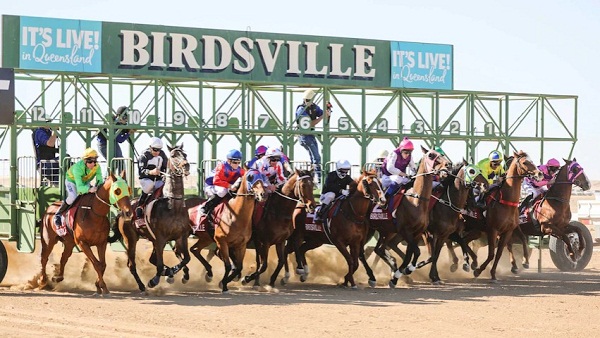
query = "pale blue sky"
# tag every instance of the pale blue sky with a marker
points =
(548, 47)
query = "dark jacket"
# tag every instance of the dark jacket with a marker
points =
(335, 184)
(147, 162)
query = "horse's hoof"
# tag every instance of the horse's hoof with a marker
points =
(303, 278)
(474, 265)
(372, 283)
(152, 283)
(185, 280)
(225, 292)
(453, 267)
(284, 281)
(525, 265)
(392, 284)
(57, 279)
(476, 273)
(437, 282)
(170, 280)
(514, 270)
(354, 287)
(494, 281)
(208, 277)
(466, 267)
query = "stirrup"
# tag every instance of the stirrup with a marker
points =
(139, 212)
(58, 220)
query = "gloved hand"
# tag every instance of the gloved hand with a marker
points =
(93, 189)
(345, 192)
(491, 176)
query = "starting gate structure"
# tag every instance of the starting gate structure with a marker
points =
(180, 87)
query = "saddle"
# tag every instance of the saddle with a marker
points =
(206, 222)
(68, 217)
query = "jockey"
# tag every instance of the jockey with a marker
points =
(227, 177)
(491, 168)
(397, 167)
(78, 180)
(534, 188)
(270, 166)
(336, 184)
(150, 165)
(258, 154)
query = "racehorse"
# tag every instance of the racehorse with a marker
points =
(165, 220)
(90, 227)
(502, 209)
(233, 227)
(348, 225)
(278, 221)
(552, 214)
(444, 215)
(411, 215)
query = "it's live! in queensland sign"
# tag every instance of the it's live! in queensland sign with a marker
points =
(122, 49)
(60, 44)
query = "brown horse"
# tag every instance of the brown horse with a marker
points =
(552, 215)
(502, 209)
(165, 220)
(233, 227)
(411, 215)
(90, 228)
(278, 221)
(348, 227)
(444, 216)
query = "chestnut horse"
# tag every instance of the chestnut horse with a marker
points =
(348, 226)
(166, 220)
(90, 228)
(444, 216)
(502, 209)
(411, 215)
(279, 219)
(552, 215)
(233, 227)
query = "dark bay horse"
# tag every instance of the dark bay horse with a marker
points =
(233, 227)
(411, 215)
(279, 219)
(502, 209)
(348, 227)
(552, 215)
(444, 215)
(90, 228)
(166, 220)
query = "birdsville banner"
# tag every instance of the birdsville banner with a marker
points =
(124, 49)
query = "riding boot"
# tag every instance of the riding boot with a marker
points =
(525, 203)
(320, 212)
(210, 204)
(139, 211)
(480, 203)
(63, 207)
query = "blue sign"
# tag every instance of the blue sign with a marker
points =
(60, 45)
(421, 65)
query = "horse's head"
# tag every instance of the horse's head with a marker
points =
(255, 185)
(119, 192)
(178, 164)
(575, 174)
(436, 163)
(370, 186)
(303, 188)
(473, 179)
(525, 167)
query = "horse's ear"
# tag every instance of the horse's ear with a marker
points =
(515, 154)
(574, 159)
(112, 175)
(180, 146)
(297, 171)
(424, 150)
(123, 174)
(169, 147)
(464, 162)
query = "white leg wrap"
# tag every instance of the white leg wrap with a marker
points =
(397, 274)
(306, 271)
(411, 267)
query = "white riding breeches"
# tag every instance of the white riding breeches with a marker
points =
(327, 198)
(148, 185)
(71, 189)
(211, 190)
(386, 181)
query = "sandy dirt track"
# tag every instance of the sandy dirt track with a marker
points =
(530, 304)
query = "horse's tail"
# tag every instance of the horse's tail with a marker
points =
(117, 235)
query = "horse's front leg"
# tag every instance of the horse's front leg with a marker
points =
(363, 260)
(159, 247)
(504, 239)
(99, 266)
(492, 234)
